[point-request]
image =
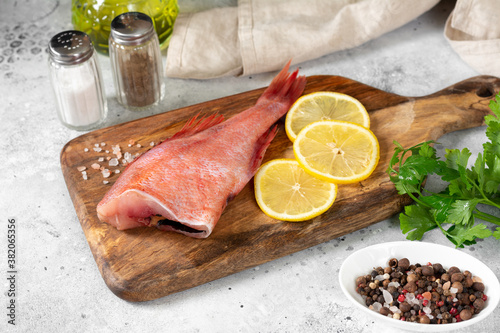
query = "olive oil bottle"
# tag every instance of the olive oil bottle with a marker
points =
(94, 17)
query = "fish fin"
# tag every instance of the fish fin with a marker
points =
(195, 125)
(285, 87)
(262, 144)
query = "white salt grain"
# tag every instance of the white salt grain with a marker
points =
(113, 162)
(377, 306)
(86, 150)
(81, 168)
(95, 166)
(84, 175)
(128, 157)
(453, 290)
(101, 159)
(105, 182)
(394, 309)
(393, 284)
(152, 144)
(97, 149)
(387, 296)
(117, 171)
(106, 173)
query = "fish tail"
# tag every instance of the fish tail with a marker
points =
(285, 87)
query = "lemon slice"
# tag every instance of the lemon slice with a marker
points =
(284, 191)
(337, 151)
(324, 105)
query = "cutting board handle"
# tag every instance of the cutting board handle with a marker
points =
(416, 119)
(462, 105)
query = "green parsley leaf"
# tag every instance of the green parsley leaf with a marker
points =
(461, 211)
(467, 236)
(496, 233)
(416, 221)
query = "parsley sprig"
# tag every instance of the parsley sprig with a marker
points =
(468, 193)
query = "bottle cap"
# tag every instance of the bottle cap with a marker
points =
(70, 47)
(132, 28)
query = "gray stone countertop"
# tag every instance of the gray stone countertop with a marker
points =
(58, 286)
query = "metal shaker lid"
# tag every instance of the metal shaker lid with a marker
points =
(132, 28)
(71, 47)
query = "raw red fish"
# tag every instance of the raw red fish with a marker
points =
(185, 183)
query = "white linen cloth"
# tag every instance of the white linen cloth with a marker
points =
(473, 30)
(262, 35)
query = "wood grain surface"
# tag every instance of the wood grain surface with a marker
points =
(145, 263)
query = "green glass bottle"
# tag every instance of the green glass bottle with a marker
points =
(94, 17)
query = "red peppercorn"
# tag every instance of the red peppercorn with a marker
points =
(429, 264)
(403, 318)
(439, 303)
(453, 311)
(425, 302)
(484, 298)
(420, 297)
(401, 298)
(457, 317)
(405, 291)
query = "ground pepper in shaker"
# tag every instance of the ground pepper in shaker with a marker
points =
(76, 80)
(136, 62)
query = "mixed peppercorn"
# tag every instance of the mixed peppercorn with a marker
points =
(426, 294)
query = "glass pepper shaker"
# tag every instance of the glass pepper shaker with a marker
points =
(136, 61)
(76, 81)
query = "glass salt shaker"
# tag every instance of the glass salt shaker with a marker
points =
(76, 81)
(136, 61)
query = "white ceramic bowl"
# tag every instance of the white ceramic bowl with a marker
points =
(363, 261)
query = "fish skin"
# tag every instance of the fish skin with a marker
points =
(191, 177)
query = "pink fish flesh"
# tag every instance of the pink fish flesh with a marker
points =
(184, 184)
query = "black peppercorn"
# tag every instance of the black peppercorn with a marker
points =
(457, 277)
(478, 286)
(478, 305)
(438, 269)
(404, 264)
(385, 311)
(393, 262)
(427, 270)
(465, 314)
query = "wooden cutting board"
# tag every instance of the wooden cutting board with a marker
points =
(145, 263)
